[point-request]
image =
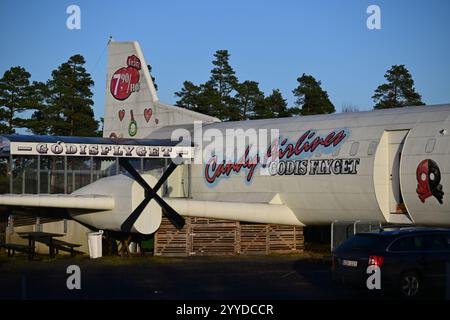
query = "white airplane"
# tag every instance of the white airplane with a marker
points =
(390, 166)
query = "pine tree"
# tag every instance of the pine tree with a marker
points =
(189, 96)
(222, 96)
(274, 106)
(149, 67)
(69, 104)
(277, 106)
(40, 121)
(214, 97)
(223, 80)
(223, 77)
(14, 99)
(398, 91)
(211, 103)
(249, 98)
(311, 98)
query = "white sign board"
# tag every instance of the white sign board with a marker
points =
(100, 150)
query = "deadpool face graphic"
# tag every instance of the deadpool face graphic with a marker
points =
(428, 181)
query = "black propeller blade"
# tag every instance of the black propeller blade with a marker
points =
(173, 216)
(150, 193)
(130, 169)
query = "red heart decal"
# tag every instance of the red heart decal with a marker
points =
(121, 114)
(148, 114)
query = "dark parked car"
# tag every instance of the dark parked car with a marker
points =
(411, 260)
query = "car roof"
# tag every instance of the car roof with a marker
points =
(394, 231)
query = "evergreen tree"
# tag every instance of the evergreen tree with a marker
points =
(189, 96)
(214, 97)
(249, 98)
(14, 99)
(222, 96)
(210, 102)
(224, 81)
(69, 105)
(153, 78)
(277, 106)
(223, 77)
(40, 120)
(311, 98)
(204, 99)
(398, 91)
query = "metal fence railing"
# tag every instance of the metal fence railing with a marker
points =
(343, 230)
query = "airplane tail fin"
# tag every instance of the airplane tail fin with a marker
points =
(132, 107)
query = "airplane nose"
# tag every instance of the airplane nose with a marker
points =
(150, 218)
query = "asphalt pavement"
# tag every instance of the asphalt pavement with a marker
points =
(230, 278)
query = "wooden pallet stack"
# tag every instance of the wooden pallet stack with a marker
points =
(209, 237)
(212, 237)
(172, 242)
(285, 239)
(253, 239)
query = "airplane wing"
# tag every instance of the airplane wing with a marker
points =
(65, 201)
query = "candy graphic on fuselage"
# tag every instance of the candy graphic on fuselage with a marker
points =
(428, 178)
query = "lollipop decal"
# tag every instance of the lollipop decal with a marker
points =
(126, 80)
(132, 127)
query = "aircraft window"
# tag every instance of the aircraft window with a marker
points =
(354, 148)
(336, 152)
(372, 148)
(430, 145)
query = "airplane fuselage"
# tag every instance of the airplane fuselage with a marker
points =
(386, 166)
(374, 166)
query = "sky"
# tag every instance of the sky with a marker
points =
(271, 42)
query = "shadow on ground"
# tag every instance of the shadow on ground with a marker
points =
(258, 277)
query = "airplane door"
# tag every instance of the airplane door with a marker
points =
(387, 176)
(395, 140)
